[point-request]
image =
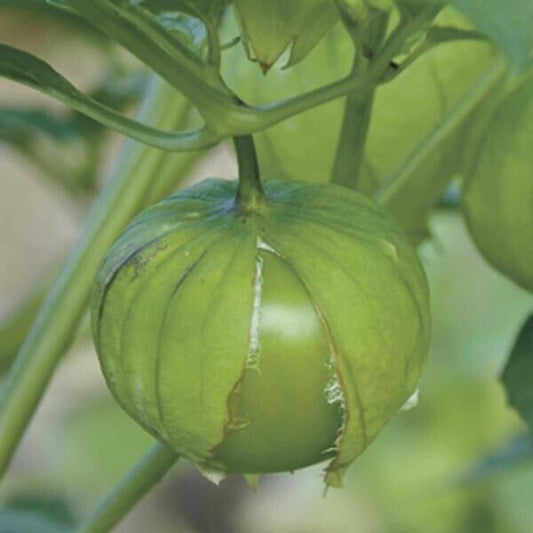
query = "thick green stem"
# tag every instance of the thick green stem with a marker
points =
(402, 175)
(352, 141)
(358, 106)
(250, 193)
(135, 484)
(65, 304)
(224, 114)
(243, 120)
(181, 67)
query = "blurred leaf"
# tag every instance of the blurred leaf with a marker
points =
(100, 442)
(269, 28)
(68, 148)
(509, 23)
(20, 125)
(517, 376)
(511, 454)
(29, 70)
(56, 11)
(25, 68)
(15, 326)
(36, 514)
(12, 521)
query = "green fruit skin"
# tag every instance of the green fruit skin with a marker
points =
(264, 341)
(498, 196)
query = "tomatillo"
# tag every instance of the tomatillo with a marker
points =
(262, 340)
(498, 196)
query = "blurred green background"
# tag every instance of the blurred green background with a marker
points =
(457, 463)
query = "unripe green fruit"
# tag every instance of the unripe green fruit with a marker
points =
(268, 340)
(498, 196)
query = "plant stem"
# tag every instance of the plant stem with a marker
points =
(133, 486)
(175, 62)
(224, 114)
(402, 175)
(24, 68)
(65, 304)
(250, 193)
(245, 120)
(358, 107)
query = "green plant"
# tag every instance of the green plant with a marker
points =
(412, 84)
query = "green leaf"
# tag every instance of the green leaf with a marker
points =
(517, 376)
(36, 514)
(270, 28)
(14, 327)
(12, 521)
(19, 126)
(509, 23)
(68, 148)
(92, 444)
(27, 69)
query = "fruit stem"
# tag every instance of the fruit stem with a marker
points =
(133, 486)
(250, 194)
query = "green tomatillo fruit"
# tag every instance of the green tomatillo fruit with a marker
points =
(498, 195)
(266, 339)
